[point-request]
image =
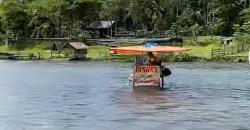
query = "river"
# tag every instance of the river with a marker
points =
(97, 96)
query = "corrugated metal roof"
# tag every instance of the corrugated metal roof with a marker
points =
(228, 39)
(78, 45)
(101, 24)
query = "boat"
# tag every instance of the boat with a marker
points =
(145, 75)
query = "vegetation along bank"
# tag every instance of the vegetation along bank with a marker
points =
(203, 50)
(216, 30)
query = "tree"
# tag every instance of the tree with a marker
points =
(68, 18)
(14, 18)
(42, 23)
(228, 15)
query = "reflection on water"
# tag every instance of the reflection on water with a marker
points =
(96, 96)
(145, 100)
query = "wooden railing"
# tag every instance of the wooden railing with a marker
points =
(229, 50)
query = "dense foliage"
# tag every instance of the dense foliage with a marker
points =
(68, 18)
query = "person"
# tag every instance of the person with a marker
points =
(154, 59)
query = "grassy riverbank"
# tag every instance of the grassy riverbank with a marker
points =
(201, 52)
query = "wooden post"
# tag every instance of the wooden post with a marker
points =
(182, 40)
(51, 54)
(59, 52)
(238, 48)
(224, 49)
(241, 47)
(111, 30)
(212, 53)
(249, 57)
(51, 48)
(6, 41)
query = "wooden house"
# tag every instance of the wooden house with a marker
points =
(76, 50)
(105, 29)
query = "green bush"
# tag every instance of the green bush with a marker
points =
(229, 59)
(181, 58)
(82, 38)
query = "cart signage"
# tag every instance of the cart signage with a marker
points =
(148, 76)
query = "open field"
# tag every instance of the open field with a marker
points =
(201, 49)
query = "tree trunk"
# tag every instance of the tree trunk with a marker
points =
(6, 41)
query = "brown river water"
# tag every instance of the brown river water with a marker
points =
(97, 96)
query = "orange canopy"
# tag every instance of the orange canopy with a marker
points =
(141, 49)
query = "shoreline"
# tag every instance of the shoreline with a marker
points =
(172, 58)
(201, 52)
(195, 59)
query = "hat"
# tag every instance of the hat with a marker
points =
(155, 53)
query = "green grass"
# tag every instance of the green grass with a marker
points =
(3, 48)
(98, 51)
(201, 48)
(28, 48)
(201, 51)
(204, 45)
(94, 52)
(203, 41)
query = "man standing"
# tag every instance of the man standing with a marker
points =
(154, 59)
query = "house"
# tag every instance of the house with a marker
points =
(105, 29)
(57, 46)
(76, 50)
(227, 40)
